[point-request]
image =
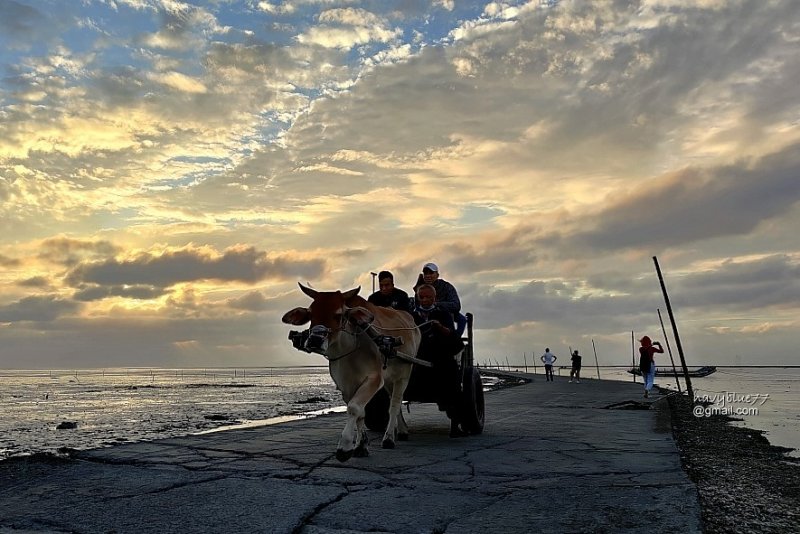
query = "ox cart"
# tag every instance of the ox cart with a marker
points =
(423, 387)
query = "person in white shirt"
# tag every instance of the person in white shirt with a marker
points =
(549, 359)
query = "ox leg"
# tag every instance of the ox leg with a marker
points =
(355, 412)
(361, 450)
(395, 404)
(402, 427)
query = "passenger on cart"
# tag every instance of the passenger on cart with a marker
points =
(388, 295)
(446, 295)
(440, 345)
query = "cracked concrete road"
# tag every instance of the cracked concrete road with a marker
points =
(551, 459)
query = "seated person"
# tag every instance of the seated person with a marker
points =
(440, 344)
(446, 295)
(389, 296)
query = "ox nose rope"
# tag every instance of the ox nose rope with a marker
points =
(385, 343)
(343, 328)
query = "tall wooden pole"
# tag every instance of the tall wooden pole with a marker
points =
(570, 361)
(686, 377)
(666, 339)
(595, 360)
(633, 356)
(525, 357)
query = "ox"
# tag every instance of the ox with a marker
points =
(340, 329)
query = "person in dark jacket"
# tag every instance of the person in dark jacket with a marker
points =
(440, 344)
(576, 367)
(446, 295)
(647, 362)
(389, 296)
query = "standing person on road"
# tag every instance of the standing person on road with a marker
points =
(576, 367)
(549, 359)
(647, 364)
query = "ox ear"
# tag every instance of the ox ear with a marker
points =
(360, 316)
(297, 316)
(352, 293)
(307, 290)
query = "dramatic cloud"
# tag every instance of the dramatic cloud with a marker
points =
(68, 251)
(170, 170)
(37, 309)
(697, 204)
(239, 264)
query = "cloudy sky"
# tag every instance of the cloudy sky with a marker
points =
(169, 170)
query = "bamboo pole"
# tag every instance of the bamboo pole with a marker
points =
(570, 361)
(597, 363)
(669, 350)
(633, 356)
(675, 331)
(525, 357)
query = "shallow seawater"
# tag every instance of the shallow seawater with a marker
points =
(124, 405)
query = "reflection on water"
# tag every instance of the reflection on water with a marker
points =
(123, 405)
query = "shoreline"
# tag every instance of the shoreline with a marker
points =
(745, 484)
(224, 424)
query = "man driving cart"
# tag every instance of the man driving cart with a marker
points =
(440, 344)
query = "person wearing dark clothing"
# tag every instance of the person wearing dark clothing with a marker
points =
(576, 367)
(440, 344)
(446, 295)
(647, 363)
(389, 296)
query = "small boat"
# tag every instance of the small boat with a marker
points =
(699, 372)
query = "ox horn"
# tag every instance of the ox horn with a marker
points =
(352, 293)
(307, 290)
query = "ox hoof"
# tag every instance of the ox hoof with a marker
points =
(388, 444)
(456, 431)
(403, 436)
(361, 452)
(343, 455)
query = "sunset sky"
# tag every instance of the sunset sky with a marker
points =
(170, 170)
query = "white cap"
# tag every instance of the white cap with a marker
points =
(430, 267)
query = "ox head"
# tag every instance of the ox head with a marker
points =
(328, 314)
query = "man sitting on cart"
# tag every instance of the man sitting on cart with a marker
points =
(388, 295)
(440, 344)
(446, 295)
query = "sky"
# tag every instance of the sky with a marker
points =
(170, 170)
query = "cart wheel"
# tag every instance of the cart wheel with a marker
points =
(472, 407)
(376, 412)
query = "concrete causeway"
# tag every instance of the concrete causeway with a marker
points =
(552, 458)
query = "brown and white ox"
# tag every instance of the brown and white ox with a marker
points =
(355, 362)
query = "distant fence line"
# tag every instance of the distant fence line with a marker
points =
(538, 368)
(152, 372)
(254, 372)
